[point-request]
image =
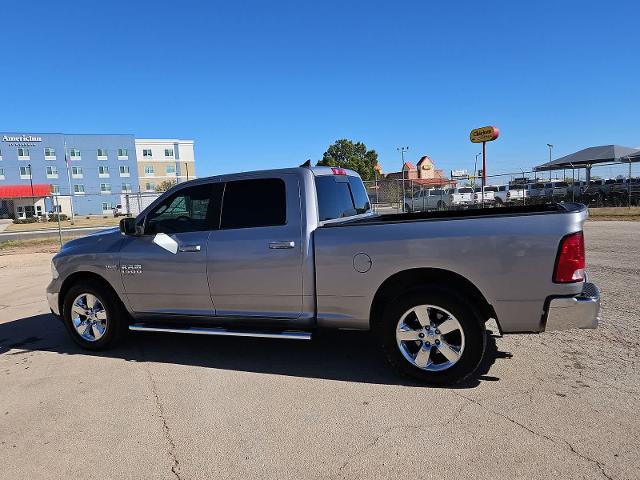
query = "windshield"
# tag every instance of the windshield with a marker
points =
(341, 196)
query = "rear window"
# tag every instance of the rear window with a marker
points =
(465, 190)
(561, 184)
(341, 196)
(254, 203)
(516, 187)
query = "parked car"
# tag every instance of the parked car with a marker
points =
(511, 194)
(489, 194)
(461, 196)
(207, 258)
(537, 191)
(428, 199)
(556, 189)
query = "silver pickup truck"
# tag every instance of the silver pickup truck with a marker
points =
(280, 253)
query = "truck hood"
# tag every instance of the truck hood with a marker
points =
(102, 241)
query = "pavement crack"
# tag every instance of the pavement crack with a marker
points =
(538, 434)
(589, 459)
(166, 431)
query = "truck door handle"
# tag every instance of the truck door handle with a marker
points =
(282, 245)
(189, 248)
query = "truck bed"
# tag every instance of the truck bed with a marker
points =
(386, 218)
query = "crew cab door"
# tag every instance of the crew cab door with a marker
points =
(255, 258)
(164, 271)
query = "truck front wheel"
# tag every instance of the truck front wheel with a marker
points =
(93, 315)
(433, 336)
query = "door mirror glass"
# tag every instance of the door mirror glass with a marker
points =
(128, 226)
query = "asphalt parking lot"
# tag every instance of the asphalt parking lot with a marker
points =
(557, 405)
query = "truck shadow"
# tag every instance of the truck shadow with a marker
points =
(332, 355)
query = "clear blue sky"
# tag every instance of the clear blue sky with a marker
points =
(270, 84)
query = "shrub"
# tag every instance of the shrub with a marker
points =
(21, 221)
(53, 217)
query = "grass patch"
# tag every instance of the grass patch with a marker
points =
(33, 245)
(615, 213)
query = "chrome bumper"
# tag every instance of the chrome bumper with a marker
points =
(581, 311)
(52, 299)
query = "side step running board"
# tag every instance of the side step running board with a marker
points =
(287, 334)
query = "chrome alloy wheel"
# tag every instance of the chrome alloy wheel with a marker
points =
(430, 338)
(89, 317)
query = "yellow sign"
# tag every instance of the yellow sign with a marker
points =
(484, 134)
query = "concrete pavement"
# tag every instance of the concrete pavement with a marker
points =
(558, 405)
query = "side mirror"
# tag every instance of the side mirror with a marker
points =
(128, 227)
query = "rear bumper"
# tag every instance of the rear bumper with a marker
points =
(580, 311)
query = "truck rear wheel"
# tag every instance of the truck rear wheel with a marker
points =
(433, 336)
(93, 315)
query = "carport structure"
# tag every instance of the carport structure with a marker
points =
(23, 201)
(587, 158)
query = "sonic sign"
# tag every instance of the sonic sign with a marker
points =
(484, 135)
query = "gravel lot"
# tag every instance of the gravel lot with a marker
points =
(558, 405)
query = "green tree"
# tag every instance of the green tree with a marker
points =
(355, 156)
(165, 185)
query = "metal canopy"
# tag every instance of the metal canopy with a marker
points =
(592, 156)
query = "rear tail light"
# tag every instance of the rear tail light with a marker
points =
(338, 171)
(570, 261)
(508, 194)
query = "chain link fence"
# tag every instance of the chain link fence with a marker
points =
(611, 185)
(55, 216)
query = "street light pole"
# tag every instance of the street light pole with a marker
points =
(475, 169)
(402, 150)
(550, 148)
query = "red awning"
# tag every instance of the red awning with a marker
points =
(24, 191)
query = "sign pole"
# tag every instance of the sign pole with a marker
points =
(484, 135)
(484, 169)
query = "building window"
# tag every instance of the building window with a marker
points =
(0, 154)
(150, 187)
(171, 169)
(146, 153)
(76, 172)
(55, 189)
(57, 209)
(106, 206)
(123, 154)
(124, 170)
(148, 170)
(78, 189)
(105, 188)
(25, 172)
(1, 173)
(52, 171)
(23, 154)
(103, 171)
(74, 153)
(49, 153)
(126, 188)
(102, 154)
(168, 152)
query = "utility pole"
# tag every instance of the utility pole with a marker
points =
(475, 169)
(402, 150)
(67, 161)
(550, 148)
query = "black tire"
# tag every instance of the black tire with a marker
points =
(116, 316)
(468, 318)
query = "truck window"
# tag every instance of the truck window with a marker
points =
(340, 196)
(188, 210)
(254, 203)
